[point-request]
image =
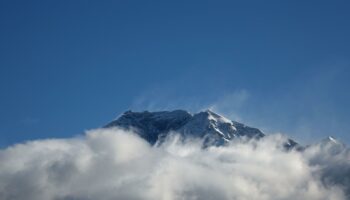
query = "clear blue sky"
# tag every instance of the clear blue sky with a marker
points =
(68, 66)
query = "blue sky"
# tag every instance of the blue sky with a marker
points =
(68, 66)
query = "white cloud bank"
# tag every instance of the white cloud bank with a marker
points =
(108, 164)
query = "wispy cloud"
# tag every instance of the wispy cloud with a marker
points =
(231, 104)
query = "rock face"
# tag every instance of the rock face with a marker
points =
(151, 125)
(213, 128)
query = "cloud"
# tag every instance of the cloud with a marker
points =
(231, 104)
(115, 164)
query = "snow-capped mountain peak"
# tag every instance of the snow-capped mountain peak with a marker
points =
(207, 125)
(210, 126)
(332, 139)
(217, 118)
(329, 146)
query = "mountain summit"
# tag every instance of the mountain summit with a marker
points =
(213, 128)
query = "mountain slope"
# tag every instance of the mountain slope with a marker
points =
(213, 128)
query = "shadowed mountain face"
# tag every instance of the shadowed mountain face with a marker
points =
(151, 125)
(207, 125)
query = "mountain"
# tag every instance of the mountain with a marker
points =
(213, 128)
(331, 145)
(332, 157)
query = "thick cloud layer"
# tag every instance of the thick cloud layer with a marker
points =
(114, 164)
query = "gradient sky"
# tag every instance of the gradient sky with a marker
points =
(69, 66)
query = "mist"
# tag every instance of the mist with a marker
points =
(117, 164)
